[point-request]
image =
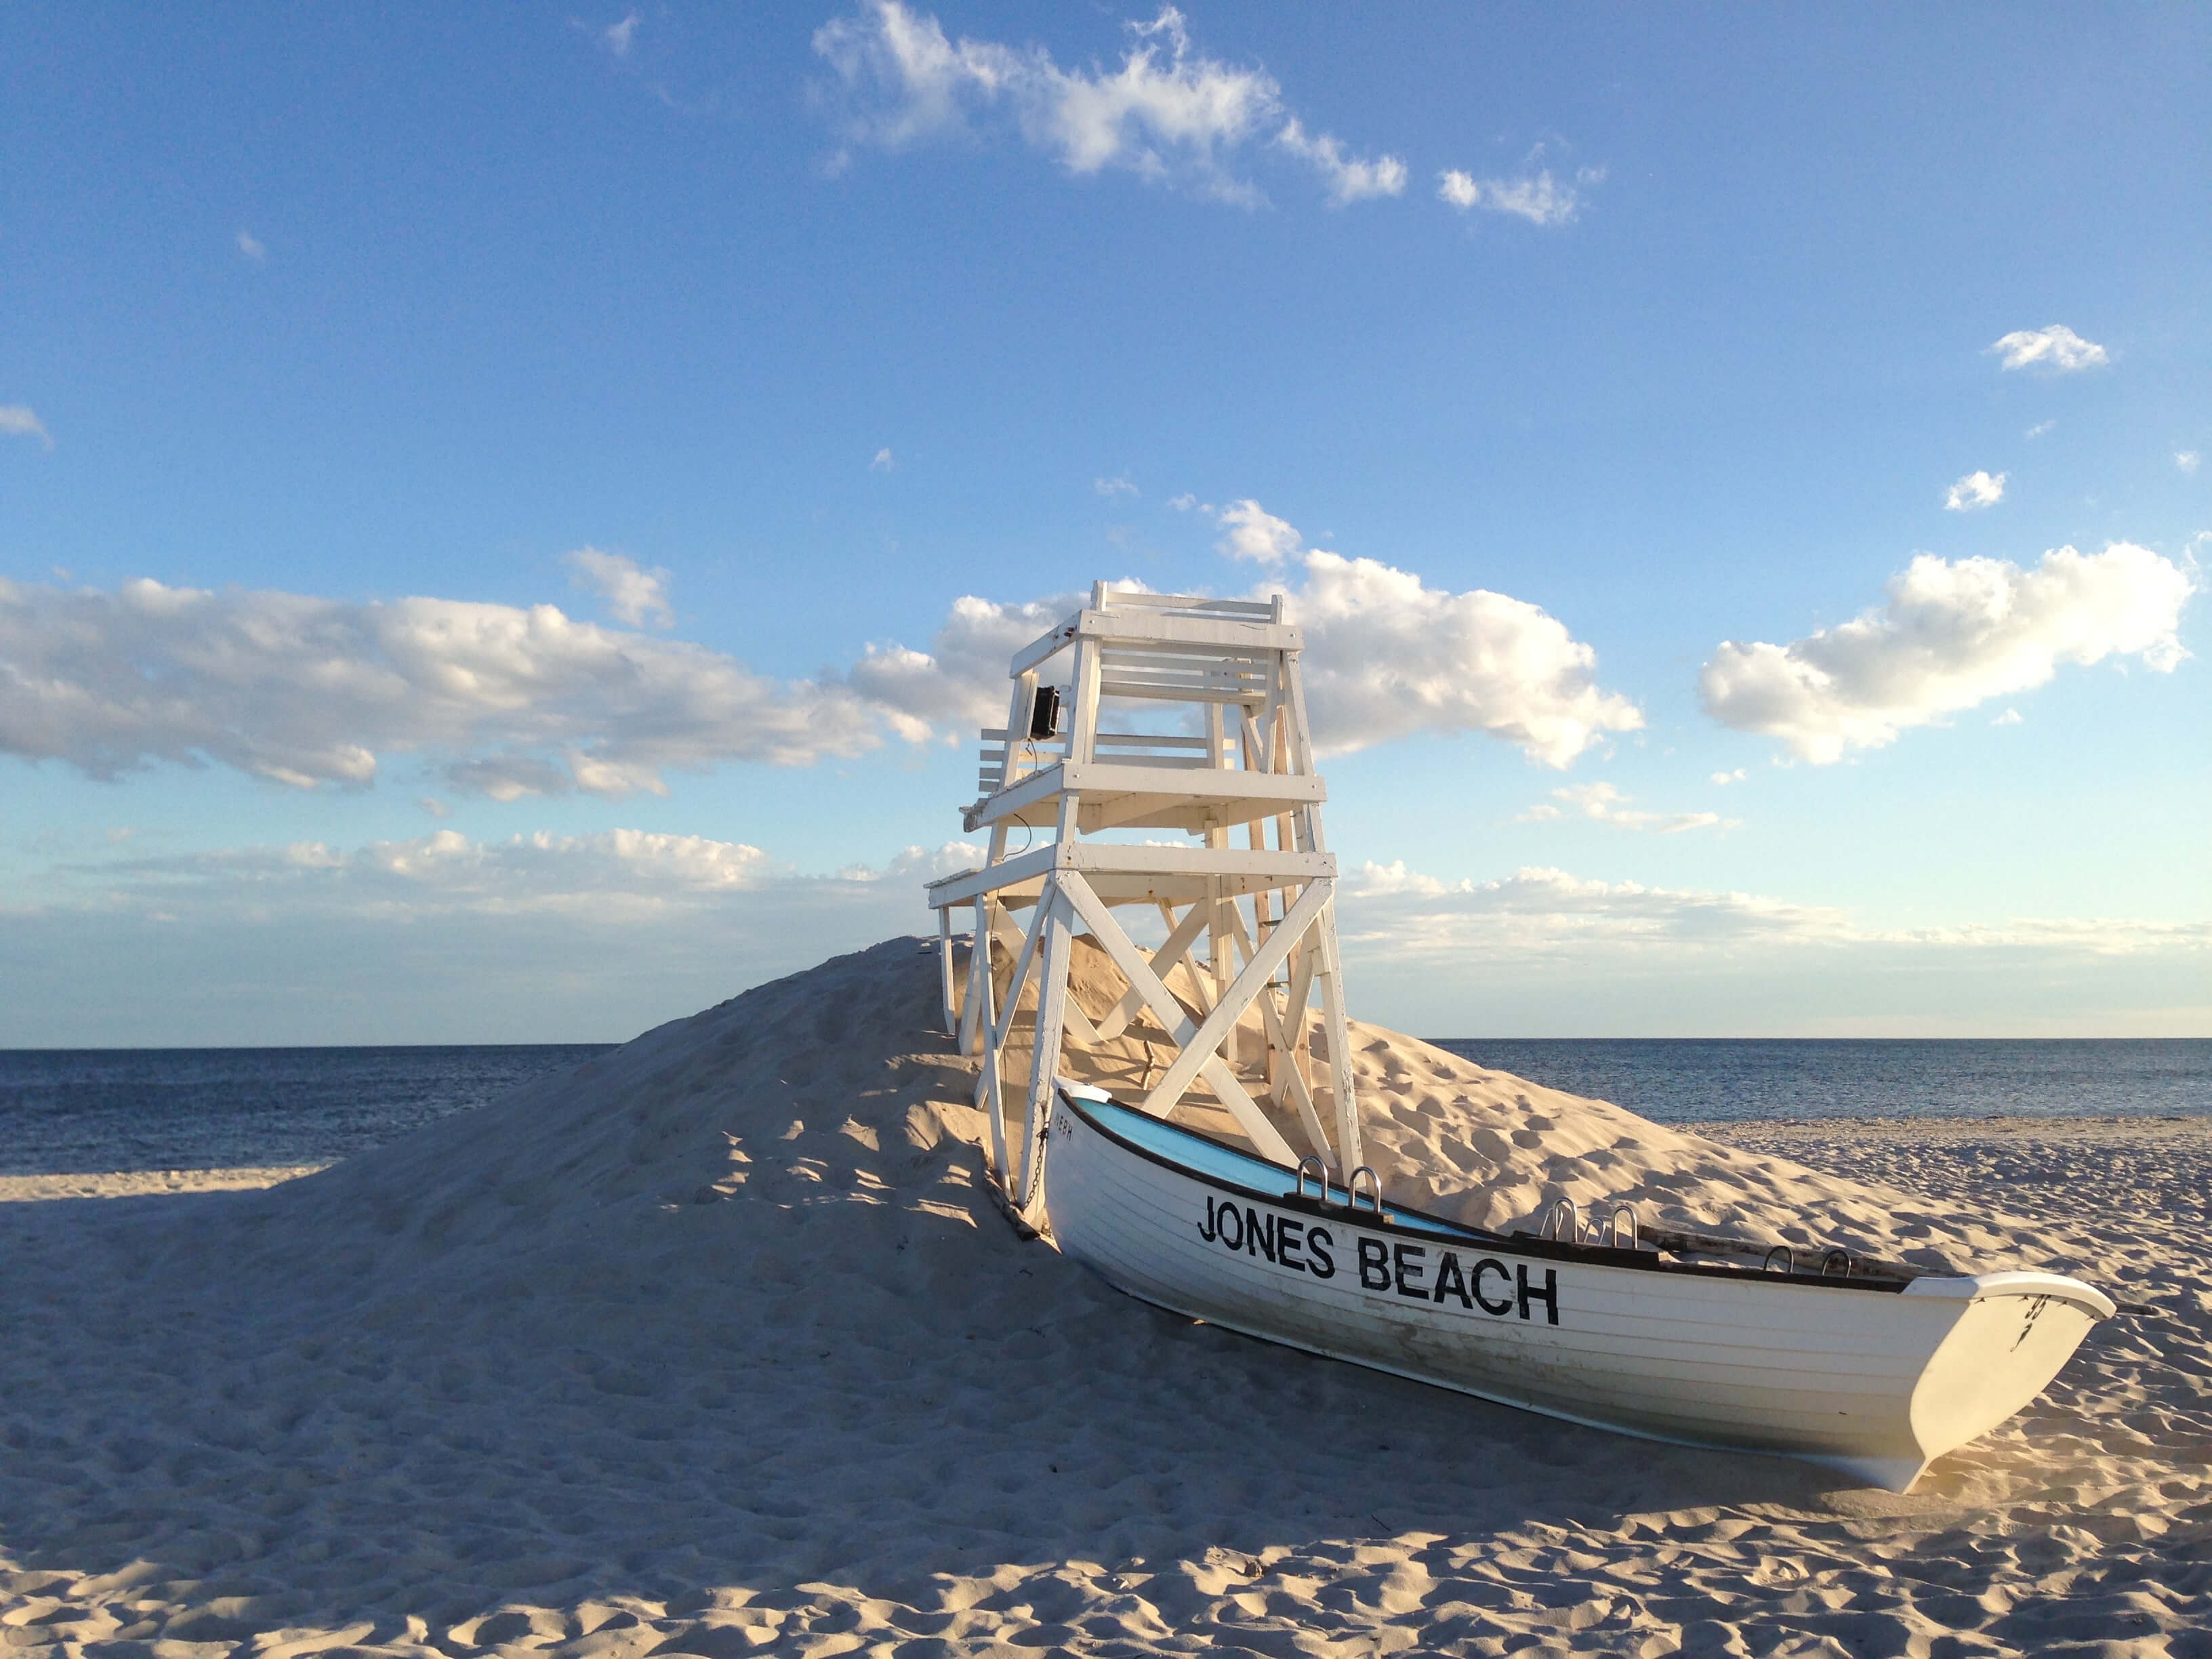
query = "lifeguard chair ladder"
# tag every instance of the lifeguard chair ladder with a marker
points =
(1263, 914)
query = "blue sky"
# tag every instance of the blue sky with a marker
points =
(554, 433)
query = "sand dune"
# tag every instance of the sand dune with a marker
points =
(717, 1345)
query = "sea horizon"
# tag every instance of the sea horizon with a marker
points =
(76, 1109)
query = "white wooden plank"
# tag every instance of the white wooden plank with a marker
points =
(1007, 872)
(1147, 740)
(1144, 628)
(1043, 648)
(1331, 973)
(1044, 1053)
(1083, 705)
(944, 997)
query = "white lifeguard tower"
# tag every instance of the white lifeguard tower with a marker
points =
(1228, 748)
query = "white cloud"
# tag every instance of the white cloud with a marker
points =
(433, 806)
(634, 595)
(1110, 487)
(1538, 197)
(1949, 637)
(508, 702)
(1605, 803)
(2041, 428)
(1348, 178)
(306, 690)
(1257, 534)
(1726, 778)
(17, 420)
(1976, 489)
(1164, 112)
(1539, 915)
(2057, 348)
(627, 872)
(2188, 459)
(2010, 717)
(1547, 911)
(961, 681)
(1188, 503)
(620, 36)
(437, 937)
(1387, 656)
(251, 246)
(882, 462)
(544, 937)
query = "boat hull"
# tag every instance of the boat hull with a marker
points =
(1873, 1383)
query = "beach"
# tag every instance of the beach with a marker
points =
(718, 1344)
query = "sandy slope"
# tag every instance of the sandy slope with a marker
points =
(716, 1345)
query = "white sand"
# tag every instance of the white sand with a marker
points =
(716, 1346)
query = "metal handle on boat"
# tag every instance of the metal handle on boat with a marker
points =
(1786, 1265)
(1352, 1189)
(1836, 1261)
(1562, 1222)
(1613, 1231)
(1321, 1174)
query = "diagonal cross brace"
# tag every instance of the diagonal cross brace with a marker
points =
(1185, 934)
(1240, 996)
(1169, 1013)
(1078, 1022)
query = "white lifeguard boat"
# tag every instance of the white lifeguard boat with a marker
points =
(1866, 1367)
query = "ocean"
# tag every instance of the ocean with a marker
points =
(66, 1111)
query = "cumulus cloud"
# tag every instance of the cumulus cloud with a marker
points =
(1387, 656)
(306, 690)
(17, 420)
(1538, 197)
(882, 461)
(634, 595)
(1165, 112)
(2188, 459)
(1976, 489)
(620, 36)
(1605, 803)
(961, 680)
(506, 703)
(1110, 487)
(2058, 349)
(1949, 637)
(2040, 430)
(1257, 534)
(251, 246)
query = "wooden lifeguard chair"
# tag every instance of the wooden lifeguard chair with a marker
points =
(1224, 674)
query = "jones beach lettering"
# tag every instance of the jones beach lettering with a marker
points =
(1391, 1265)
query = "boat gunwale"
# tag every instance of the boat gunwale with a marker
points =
(1596, 1255)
